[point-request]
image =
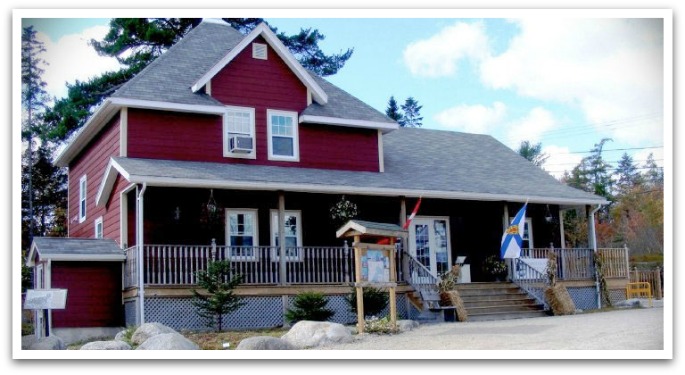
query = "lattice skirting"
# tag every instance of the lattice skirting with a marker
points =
(257, 312)
(585, 298)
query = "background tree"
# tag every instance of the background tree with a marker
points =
(393, 111)
(654, 175)
(626, 175)
(34, 100)
(136, 42)
(219, 282)
(533, 153)
(412, 114)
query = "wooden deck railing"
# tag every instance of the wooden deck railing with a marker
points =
(578, 263)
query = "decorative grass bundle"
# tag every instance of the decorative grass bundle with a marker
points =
(457, 302)
(559, 300)
(556, 295)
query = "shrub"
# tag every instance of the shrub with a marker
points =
(309, 306)
(382, 325)
(375, 300)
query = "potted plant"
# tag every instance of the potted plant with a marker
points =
(495, 267)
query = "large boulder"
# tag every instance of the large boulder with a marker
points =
(106, 345)
(148, 330)
(48, 343)
(309, 334)
(168, 341)
(264, 343)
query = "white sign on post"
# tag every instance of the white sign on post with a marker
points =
(44, 299)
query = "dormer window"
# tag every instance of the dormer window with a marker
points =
(239, 133)
(259, 51)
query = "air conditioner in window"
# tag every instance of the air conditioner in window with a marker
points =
(240, 144)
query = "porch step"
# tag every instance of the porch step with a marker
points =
(498, 301)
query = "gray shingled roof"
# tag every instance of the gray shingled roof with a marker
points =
(171, 75)
(169, 78)
(418, 162)
(62, 248)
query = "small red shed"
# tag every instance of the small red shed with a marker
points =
(91, 272)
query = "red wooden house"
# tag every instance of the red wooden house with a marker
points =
(225, 147)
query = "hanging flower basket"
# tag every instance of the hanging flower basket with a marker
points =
(343, 211)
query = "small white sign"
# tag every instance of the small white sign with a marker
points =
(41, 299)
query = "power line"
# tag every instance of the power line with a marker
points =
(608, 150)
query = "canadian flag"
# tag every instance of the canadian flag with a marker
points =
(413, 213)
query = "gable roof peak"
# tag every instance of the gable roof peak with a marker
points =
(263, 30)
(217, 21)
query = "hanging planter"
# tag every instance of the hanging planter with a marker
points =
(343, 211)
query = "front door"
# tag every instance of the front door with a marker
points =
(429, 243)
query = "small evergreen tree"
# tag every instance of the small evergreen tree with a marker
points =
(309, 306)
(412, 116)
(393, 111)
(533, 153)
(219, 298)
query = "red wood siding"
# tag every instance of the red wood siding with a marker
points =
(258, 84)
(92, 162)
(93, 294)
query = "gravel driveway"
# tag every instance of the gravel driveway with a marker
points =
(629, 329)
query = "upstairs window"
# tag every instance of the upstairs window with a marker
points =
(239, 133)
(83, 193)
(282, 133)
(99, 228)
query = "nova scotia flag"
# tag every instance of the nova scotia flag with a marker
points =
(511, 240)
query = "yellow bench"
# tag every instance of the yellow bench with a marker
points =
(640, 290)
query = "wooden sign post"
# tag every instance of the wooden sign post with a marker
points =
(374, 261)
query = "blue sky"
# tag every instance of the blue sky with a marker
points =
(564, 82)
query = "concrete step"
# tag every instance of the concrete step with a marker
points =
(498, 302)
(505, 315)
(493, 296)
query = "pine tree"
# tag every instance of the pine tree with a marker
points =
(136, 42)
(34, 99)
(627, 175)
(393, 111)
(533, 153)
(412, 114)
(219, 282)
(654, 175)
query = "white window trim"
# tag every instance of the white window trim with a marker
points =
(227, 152)
(101, 223)
(82, 198)
(273, 219)
(295, 136)
(255, 225)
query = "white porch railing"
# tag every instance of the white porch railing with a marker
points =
(260, 265)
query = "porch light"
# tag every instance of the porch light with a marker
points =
(211, 204)
(548, 215)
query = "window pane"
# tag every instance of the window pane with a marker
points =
(282, 146)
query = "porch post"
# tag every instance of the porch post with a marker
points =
(593, 242)
(562, 236)
(281, 237)
(405, 239)
(140, 238)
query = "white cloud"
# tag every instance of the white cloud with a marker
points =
(71, 58)
(472, 118)
(531, 127)
(559, 160)
(439, 55)
(612, 69)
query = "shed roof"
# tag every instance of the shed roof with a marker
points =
(74, 249)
